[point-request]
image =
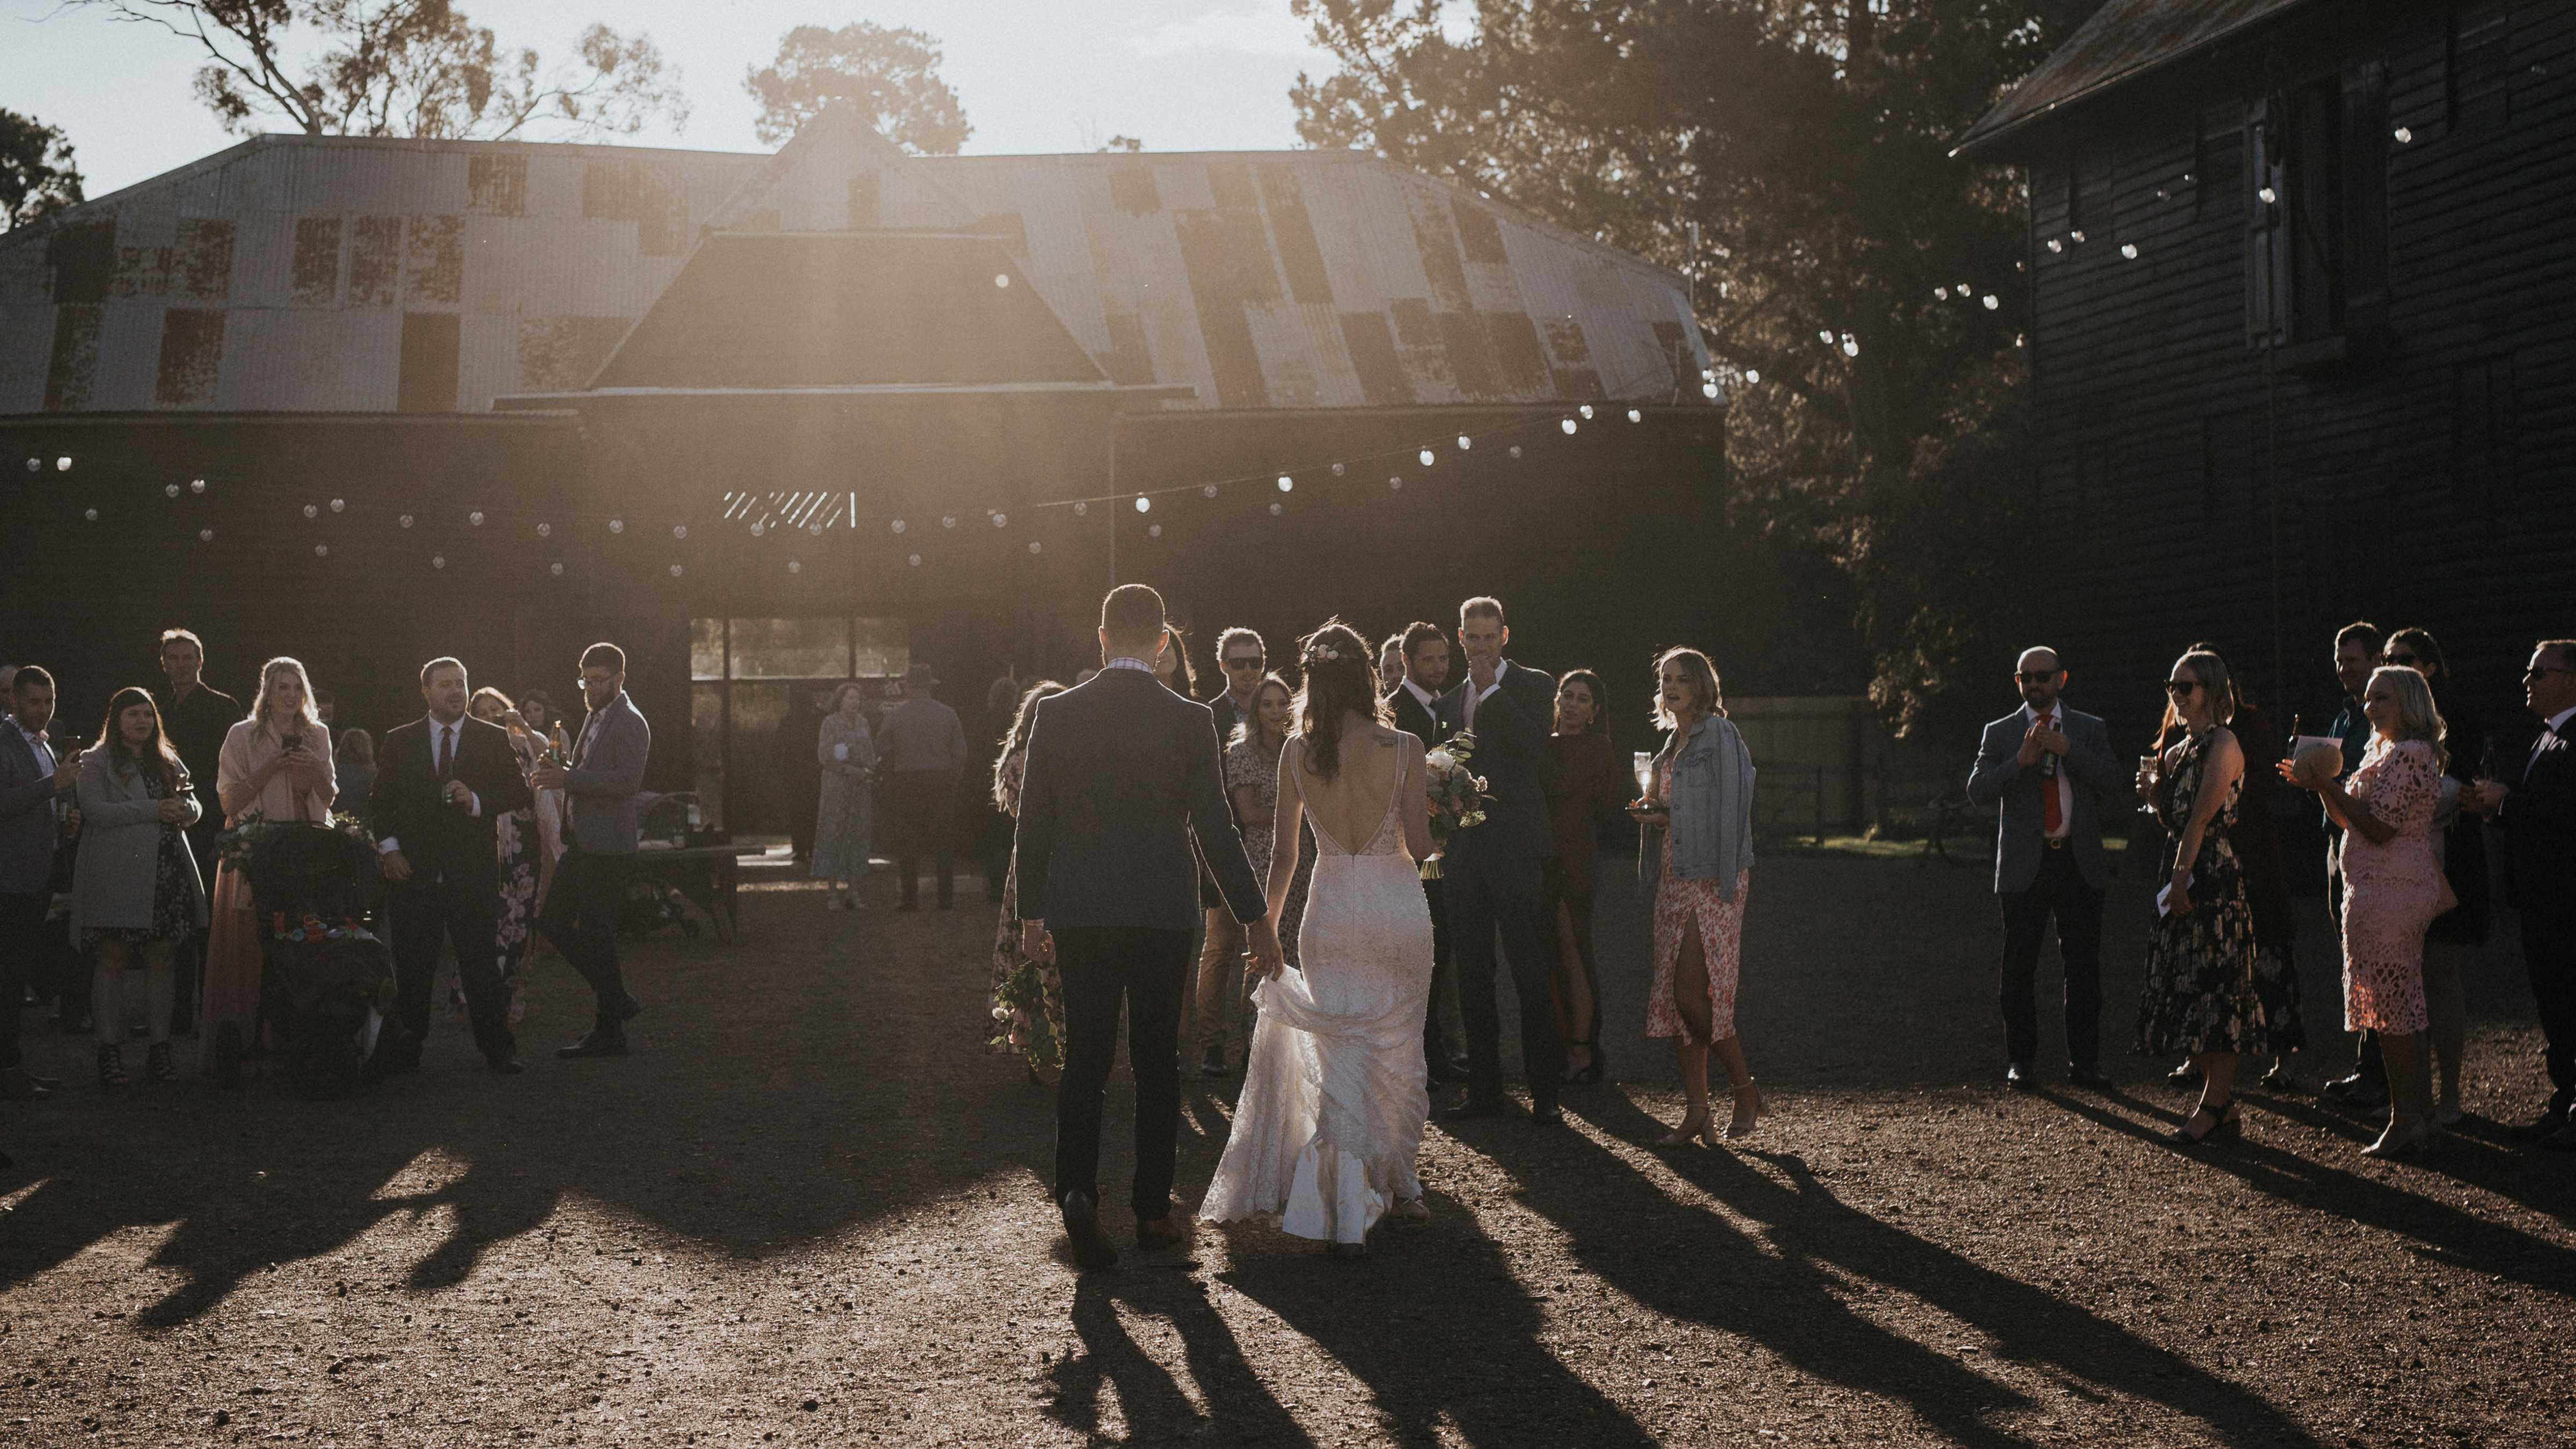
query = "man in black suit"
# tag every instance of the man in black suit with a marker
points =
(441, 783)
(1120, 772)
(1415, 699)
(1491, 880)
(2534, 804)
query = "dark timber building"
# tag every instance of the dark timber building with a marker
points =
(771, 419)
(2303, 282)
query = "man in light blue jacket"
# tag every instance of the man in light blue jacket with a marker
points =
(600, 780)
(2046, 769)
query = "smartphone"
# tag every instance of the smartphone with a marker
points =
(291, 742)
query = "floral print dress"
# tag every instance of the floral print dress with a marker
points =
(1026, 1013)
(2199, 994)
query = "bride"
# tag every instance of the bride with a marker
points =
(1334, 1094)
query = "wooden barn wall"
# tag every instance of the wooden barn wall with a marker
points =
(2434, 487)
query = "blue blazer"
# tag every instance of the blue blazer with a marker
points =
(2020, 831)
(27, 829)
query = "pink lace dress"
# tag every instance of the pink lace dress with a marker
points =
(2391, 891)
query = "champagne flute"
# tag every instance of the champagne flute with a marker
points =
(1642, 764)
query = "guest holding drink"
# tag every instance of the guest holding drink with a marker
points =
(514, 833)
(1016, 1012)
(847, 751)
(2530, 792)
(277, 765)
(1587, 790)
(543, 725)
(1702, 802)
(2459, 838)
(2392, 888)
(2199, 994)
(136, 896)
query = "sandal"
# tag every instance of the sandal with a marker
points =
(2230, 1118)
(1591, 1071)
(1748, 1118)
(111, 1066)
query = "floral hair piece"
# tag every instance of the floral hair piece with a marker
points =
(1323, 654)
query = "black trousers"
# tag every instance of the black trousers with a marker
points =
(1444, 967)
(1489, 897)
(583, 902)
(1146, 969)
(2549, 953)
(465, 911)
(22, 941)
(2059, 890)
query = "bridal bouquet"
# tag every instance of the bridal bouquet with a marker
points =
(1457, 796)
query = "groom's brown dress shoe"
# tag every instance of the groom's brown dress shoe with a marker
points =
(1162, 1232)
(1091, 1246)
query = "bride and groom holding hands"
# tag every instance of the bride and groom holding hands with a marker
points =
(1122, 796)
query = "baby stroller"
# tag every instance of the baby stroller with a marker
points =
(328, 982)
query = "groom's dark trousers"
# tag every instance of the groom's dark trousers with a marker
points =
(1122, 799)
(1490, 890)
(1145, 968)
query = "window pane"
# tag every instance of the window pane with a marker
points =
(885, 648)
(791, 648)
(706, 648)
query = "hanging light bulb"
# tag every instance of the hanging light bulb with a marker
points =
(196, 485)
(1753, 374)
(170, 490)
(1425, 456)
(794, 567)
(339, 505)
(309, 510)
(815, 529)
(898, 525)
(438, 560)
(1207, 491)
(1036, 547)
(1708, 390)
(1001, 520)
(1465, 442)
(556, 569)
(90, 513)
(475, 518)
(1274, 510)
(1337, 470)
(205, 535)
(1636, 416)
(675, 571)
(1154, 531)
(1586, 411)
(2129, 250)
(321, 550)
(62, 465)
(545, 530)
(1286, 483)
(1001, 279)
(1567, 424)
(948, 520)
(1082, 510)
(1851, 347)
(1940, 294)
(1516, 450)
(2404, 136)
(1144, 504)
(405, 520)
(915, 560)
(35, 465)
(1991, 301)
(1826, 338)
(1395, 485)
(2268, 195)
(679, 530)
(2055, 245)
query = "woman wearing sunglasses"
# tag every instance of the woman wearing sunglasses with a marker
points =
(2199, 995)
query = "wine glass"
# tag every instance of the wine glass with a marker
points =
(1642, 764)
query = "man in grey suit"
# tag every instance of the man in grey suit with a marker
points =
(600, 781)
(2048, 768)
(1121, 773)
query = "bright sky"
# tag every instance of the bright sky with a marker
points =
(1035, 75)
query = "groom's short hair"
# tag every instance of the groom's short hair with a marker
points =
(1133, 613)
(1480, 608)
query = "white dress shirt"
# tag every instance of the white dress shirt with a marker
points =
(1430, 702)
(451, 738)
(2065, 782)
(1476, 696)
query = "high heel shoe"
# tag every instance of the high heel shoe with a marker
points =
(1683, 1135)
(1591, 1070)
(2406, 1136)
(1746, 1119)
(2230, 1119)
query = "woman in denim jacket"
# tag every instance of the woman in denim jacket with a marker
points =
(1702, 801)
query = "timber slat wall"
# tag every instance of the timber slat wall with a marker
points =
(2436, 486)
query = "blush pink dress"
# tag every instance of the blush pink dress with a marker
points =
(1679, 906)
(2392, 890)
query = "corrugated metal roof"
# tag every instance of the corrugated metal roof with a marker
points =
(2124, 40)
(297, 273)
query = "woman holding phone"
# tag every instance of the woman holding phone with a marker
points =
(276, 765)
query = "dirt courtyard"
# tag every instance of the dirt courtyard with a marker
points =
(810, 1210)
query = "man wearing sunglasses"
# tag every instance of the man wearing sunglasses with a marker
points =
(2046, 769)
(2357, 650)
(2535, 806)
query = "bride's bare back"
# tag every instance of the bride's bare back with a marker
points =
(1351, 807)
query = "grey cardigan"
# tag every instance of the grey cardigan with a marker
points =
(120, 846)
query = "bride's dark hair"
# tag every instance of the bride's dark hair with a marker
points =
(1341, 679)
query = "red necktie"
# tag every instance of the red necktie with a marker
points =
(2052, 817)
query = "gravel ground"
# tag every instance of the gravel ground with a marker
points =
(809, 1210)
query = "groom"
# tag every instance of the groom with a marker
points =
(1121, 775)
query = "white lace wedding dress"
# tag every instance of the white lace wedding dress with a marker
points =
(1334, 1094)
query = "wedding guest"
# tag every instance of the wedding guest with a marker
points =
(514, 838)
(847, 752)
(1252, 787)
(1172, 667)
(2393, 888)
(921, 756)
(2531, 794)
(1491, 873)
(36, 785)
(136, 896)
(322, 708)
(1027, 994)
(2199, 993)
(1587, 790)
(1390, 662)
(1702, 802)
(992, 729)
(353, 773)
(2257, 838)
(1242, 656)
(2043, 770)
(543, 724)
(197, 717)
(2357, 648)
(1414, 696)
(800, 776)
(2460, 840)
(277, 765)
(600, 780)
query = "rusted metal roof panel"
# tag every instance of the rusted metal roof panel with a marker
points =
(2124, 40)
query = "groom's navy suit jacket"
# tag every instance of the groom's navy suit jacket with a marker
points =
(1512, 758)
(1122, 774)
